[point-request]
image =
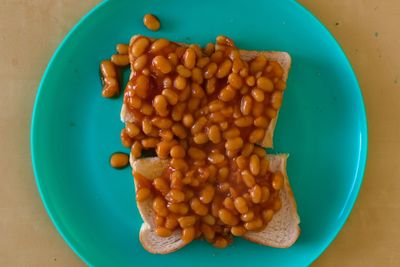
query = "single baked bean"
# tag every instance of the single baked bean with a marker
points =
(261, 122)
(188, 234)
(254, 164)
(227, 94)
(146, 72)
(257, 94)
(217, 57)
(180, 82)
(241, 205)
(247, 217)
(158, 45)
(216, 158)
(136, 150)
(163, 148)
(110, 88)
(214, 134)
(211, 85)
(235, 80)
(258, 109)
(177, 152)
(119, 160)
(198, 207)
(267, 215)
(162, 64)
(159, 206)
(208, 219)
(150, 142)
(227, 217)
(108, 69)
(250, 81)
(171, 222)
(122, 49)
(141, 86)
(242, 162)
(160, 104)
(199, 125)
(224, 69)
(178, 208)
(248, 178)
(175, 196)
(231, 133)
(147, 127)
(196, 154)
(238, 230)
(139, 46)
(151, 22)
(277, 181)
(170, 95)
(228, 203)
(209, 49)
(254, 225)
(237, 65)
(187, 221)
(265, 84)
(143, 194)
(221, 242)
(276, 99)
(200, 138)
(131, 129)
(173, 58)
(258, 64)
(161, 185)
(223, 174)
(207, 194)
(244, 121)
(224, 187)
(163, 231)
(134, 102)
(210, 70)
(234, 143)
(188, 120)
(120, 60)
(189, 58)
(202, 62)
(256, 135)
(177, 111)
(179, 164)
(197, 91)
(256, 194)
(270, 112)
(197, 75)
(183, 71)
(176, 180)
(217, 117)
(167, 82)
(179, 130)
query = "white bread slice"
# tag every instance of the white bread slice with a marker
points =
(282, 58)
(281, 232)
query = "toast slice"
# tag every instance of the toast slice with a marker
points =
(281, 232)
(282, 58)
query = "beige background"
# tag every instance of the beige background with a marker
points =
(369, 32)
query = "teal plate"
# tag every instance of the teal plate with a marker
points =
(322, 125)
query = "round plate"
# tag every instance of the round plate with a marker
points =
(322, 125)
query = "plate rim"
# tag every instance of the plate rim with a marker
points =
(348, 206)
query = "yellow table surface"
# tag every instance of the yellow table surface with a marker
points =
(368, 31)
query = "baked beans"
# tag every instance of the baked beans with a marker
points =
(205, 111)
(151, 22)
